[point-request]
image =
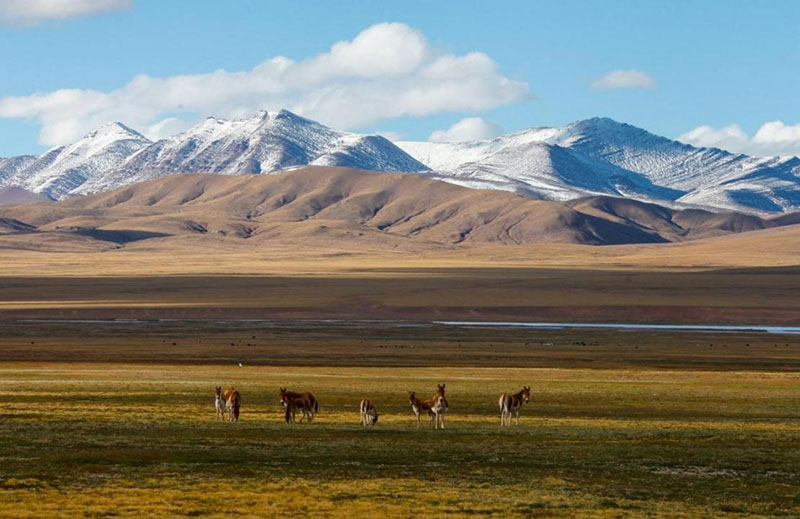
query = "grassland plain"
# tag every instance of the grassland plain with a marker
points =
(132, 440)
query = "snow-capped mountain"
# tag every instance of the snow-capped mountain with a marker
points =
(115, 155)
(590, 157)
(659, 168)
(59, 171)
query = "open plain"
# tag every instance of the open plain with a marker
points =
(109, 353)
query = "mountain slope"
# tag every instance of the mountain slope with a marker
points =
(588, 158)
(61, 170)
(115, 156)
(617, 159)
(19, 196)
(345, 209)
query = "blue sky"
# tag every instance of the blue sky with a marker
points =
(680, 66)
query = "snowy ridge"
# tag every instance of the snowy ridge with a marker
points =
(613, 158)
(592, 157)
(59, 171)
(115, 155)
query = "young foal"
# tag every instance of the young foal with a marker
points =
(433, 406)
(369, 415)
(511, 404)
(305, 402)
(219, 403)
(233, 401)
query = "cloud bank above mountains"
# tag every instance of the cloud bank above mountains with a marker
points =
(624, 79)
(387, 71)
(467, 129)
(772, 138)
(32, 12)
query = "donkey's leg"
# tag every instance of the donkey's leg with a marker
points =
(517, 416)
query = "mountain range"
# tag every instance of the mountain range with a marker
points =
(588, 158)
(334, 208)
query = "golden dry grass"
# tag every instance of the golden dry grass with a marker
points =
(123, 440)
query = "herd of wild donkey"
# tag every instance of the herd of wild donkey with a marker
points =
(228, 403)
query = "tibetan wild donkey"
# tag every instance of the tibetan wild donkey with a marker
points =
(511, 404)
(233, 402)
(435, 407)
(369, 415)
(219, 403)
(293, 402)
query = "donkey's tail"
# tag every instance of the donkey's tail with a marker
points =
(236, 406)
(316, 406)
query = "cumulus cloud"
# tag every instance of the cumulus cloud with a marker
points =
(624, 79)
(388, 134)
(387, 71)
(467, 129)
(772, 138)
(32, 12)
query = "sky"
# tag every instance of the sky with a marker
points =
(711, 73)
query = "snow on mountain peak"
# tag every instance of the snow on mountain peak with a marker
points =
(592, 156)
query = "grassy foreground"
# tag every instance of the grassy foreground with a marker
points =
(126, 440)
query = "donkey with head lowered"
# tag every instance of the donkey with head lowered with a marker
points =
(294, 402)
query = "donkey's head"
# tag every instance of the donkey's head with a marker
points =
(412, 397)
(440, 389)
(526, 394)
(218, 391)
(283, 392)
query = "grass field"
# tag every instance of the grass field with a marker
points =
(127, 440)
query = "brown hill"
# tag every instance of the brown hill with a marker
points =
(672, 224)
(10, 195)
(319, 206)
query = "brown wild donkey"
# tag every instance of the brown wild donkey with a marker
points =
(233, 402)
(511, 404)
(369, 415)
(219, 403)
(434, 406)
(294, 402)
(444, 405)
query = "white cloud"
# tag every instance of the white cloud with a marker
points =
(389, 70)
(166, 128)
(392, 136)
(32, 12)
(773, 138)
(619, 79)
(467, 129)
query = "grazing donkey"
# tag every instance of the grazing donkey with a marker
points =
(511, 404)
(433, 406)
(305, 402)
(219, 403)
(369, 415)
(233, 402)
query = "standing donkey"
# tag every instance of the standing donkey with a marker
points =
(435, 407)
(233, 402)
(294, 402)
(444, 405)
(369, 415)
(219, 403)
(511, 404)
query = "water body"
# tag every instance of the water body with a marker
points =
(795, 330)
(623, 326)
